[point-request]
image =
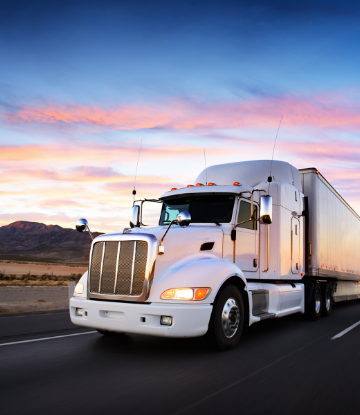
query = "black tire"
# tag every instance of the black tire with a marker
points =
(314, 307)
(110, 333)
(326, 300)
(225, 332)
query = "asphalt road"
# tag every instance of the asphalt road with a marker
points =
(284, 366)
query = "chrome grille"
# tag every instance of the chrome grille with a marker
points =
(139, 267)
(95, 270)
(123, 282)
(109, 268)
(118, 268)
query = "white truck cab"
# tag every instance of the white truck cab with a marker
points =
(230, 250)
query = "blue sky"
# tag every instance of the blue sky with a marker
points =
(82, 82)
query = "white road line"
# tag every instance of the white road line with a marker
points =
(345, 331)
(48, 338)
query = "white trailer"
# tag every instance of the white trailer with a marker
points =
(238, 246)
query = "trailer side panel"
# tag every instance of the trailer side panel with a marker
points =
(334, 230)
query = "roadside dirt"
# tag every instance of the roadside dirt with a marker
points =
(13, 268)
(28, 299)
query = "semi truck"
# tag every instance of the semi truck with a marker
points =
(247, 241)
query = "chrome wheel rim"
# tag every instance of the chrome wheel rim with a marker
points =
(328, 300)
(317, 302)
(230, 318)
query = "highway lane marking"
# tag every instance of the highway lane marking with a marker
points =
(48, 338)
(345, 331)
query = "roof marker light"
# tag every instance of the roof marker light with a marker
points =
(211, 184)
(174, 188)
(190, 185)
(317, 171)
(199, 184)
(236, 184)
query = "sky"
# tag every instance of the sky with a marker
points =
(84, 83)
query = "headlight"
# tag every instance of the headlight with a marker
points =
(190, 294)
(79, 288)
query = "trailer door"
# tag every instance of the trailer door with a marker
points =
(295, 245)
(247, 240)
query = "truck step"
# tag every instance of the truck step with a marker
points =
(264, 316)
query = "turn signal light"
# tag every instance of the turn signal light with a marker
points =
(190, 185)
(185, 294)
(199, 184)
(236, 184)
(201, 293)
(174, 188)
(211, 184)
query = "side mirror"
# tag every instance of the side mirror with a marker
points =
(183, 218)
(134, 219)
(82, 226)
(266, 209)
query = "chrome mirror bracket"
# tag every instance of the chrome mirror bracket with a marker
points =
(183, 219)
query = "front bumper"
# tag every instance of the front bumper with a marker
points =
(188, 320)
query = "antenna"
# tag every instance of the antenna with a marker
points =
(270, 177)
(134, 191)
(205, 166)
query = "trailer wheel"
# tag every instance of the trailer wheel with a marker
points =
(227, 319)
(314, 310)
(110, 333)
(326, 300)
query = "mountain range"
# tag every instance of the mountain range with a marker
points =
(35, 241)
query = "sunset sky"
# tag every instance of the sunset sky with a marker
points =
(82, 83)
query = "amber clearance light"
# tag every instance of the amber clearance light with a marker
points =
(173, 188)
(185, 294)
(211, 184)
(199, 184)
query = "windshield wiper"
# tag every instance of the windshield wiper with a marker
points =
(216, 223)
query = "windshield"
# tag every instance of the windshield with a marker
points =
(202, 208)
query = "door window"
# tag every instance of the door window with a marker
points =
(245, 213)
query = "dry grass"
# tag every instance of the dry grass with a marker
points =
(36, 280)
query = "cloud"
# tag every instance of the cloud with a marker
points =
(336, 111)
(324, 150)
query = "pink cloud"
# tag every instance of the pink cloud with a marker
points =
(100, 153)
(327, 110)
(327, 149)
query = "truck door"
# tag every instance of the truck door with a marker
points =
(247, 240)
(295, 245)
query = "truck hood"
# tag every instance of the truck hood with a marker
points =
(183, 242)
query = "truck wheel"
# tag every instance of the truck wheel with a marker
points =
(326, 300)
(110, 333)
(227, 318)
(314, 310)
